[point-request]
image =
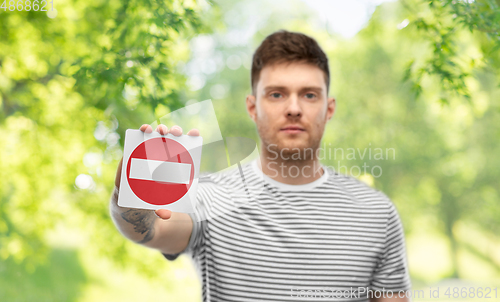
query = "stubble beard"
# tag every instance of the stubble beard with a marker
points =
(295, 152)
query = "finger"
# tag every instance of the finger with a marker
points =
(194, 132)
(162, 129)
(164, 214)
(176, 130)
(118, 174)
(146, 128)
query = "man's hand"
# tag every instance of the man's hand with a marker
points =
(166, 231)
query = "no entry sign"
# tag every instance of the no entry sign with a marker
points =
(159, 172)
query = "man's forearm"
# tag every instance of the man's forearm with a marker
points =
(136, 224)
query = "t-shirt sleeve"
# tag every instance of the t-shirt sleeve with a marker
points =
(391, 272)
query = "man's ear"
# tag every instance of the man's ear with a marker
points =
(251, 106)
(330, 109)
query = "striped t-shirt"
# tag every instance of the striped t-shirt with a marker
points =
(256, 239)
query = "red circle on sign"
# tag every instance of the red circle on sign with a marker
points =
(156, 192)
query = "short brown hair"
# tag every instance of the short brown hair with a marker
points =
(286, 47)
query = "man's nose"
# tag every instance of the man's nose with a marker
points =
(293, 107)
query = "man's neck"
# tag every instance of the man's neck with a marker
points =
(290, 171)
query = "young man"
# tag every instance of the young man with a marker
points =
(311, 233)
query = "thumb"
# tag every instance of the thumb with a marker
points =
(163, 214)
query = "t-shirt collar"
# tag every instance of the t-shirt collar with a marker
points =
(287, 187)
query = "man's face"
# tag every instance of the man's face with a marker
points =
(290, 106)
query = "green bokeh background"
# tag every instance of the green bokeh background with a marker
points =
(421, 79)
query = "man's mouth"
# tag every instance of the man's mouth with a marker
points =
(292, 129)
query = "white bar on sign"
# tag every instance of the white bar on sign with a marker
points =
(158, 170)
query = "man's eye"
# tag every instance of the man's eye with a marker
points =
(276, 95)
(310, 95)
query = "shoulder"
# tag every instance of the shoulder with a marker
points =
(228, 183)
(360, 191)
(232, 176)
(223, 192)
(220, 179)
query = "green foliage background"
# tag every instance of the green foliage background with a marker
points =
(420, 78)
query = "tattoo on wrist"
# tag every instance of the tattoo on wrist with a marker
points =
(143, 222)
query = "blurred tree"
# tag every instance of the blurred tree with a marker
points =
(445, 168)
(71, 81)
(441, 23)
